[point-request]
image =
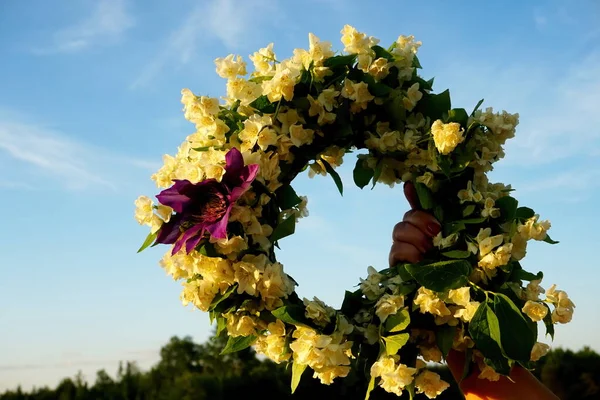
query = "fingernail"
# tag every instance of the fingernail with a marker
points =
(433, 229)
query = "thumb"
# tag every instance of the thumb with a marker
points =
(411, 195)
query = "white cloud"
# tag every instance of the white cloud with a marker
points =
(231, 22)
(36, 153)
(107, 22)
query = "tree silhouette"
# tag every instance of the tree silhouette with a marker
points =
(191, 371)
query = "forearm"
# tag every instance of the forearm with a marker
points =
(523, 385)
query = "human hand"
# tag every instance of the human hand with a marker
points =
(412, 237)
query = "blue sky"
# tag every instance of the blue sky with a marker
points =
(89, 102)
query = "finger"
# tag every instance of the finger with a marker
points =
(424, 221)
(408, 233)
(404, 252)
(411, 195)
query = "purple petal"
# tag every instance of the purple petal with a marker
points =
(234, 162)
(218, 230)
(248, 174)
(189, 234)
(192, 243)
(174, 197)
(169, 232)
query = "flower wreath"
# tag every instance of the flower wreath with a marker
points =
(228, 201)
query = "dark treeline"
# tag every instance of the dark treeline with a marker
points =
(191, 371)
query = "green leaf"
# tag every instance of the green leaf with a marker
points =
(263, 104)
(238, 343)
(205, 148)
(454, 227)
(508, 207)
(335, 176)
(438, 213)
(339, 61)
(441, 276)
(380, 52)
(405, 276)
(416, 63)
(484, 329)
(467, 365)
(548, 239)
(425, 196)
(528, 276)
(379, 89)
(472, 220)
(149, 240)
(458, 115)
(370, 387)
(501, 365)
(524, 213)
(517, 337)
(394, 343)
(405, 288)
(479, 103)
(460, 254)
(444, 338)
(468, 210)
(377, 173)
(353, 301)
(222, 296)
(291, 314)
(398, 321)
(438, 104)
(208, 249)
(287, 197)
(297, 370)
(362, 174)
(285, 228)
(548, 322)
(221, 325)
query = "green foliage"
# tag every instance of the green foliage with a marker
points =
(335, 176)
(441, 276)
(458, 115)
(235, 344)
(479, 103)
(287, 197)
(547, 239)
(395, 342)
(484, 329)
(459, 254)
(190, 371)
(297, 371)
(436, 105)
(263, 105)
(352, 302)
(149, 240)
(508, 207)
(362, 175)
(285, 228)
(517, 337)
(425, 196)
(291, 314)
(444, 338)
(397, 322)
(340, 61)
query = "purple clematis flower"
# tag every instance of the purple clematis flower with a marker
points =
(204, 206)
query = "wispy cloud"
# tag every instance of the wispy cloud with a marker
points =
(107, 22)
(36, 153)
(557, 103)
(576, 184)
(231, 22)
